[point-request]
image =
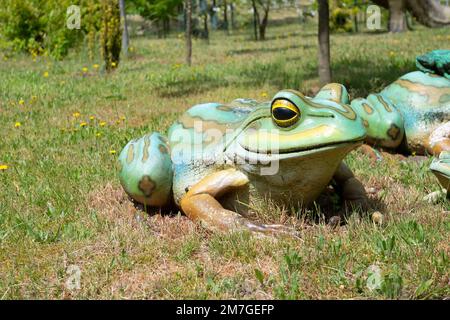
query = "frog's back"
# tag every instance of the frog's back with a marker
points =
(198, 138)
(423, 99)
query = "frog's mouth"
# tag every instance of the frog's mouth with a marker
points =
(266, 156)
(307, 149)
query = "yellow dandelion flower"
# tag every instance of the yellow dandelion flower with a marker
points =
(264, 94)
(113, 64)
(45, 74)
(83, 124)
(112, 151)
(3, 167)
(98, 134)
(76, 114)
(84, 69)
(17, 124)
(95, 66)
(117, 121)
(91, 118)
(102, 123)
(21, 101)
(122, 118)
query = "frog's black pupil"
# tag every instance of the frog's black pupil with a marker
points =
(283, 113)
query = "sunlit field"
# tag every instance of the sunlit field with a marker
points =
(63, 124)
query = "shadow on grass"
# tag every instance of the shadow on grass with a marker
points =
(266, 49)
(360, 76)
(329, 206)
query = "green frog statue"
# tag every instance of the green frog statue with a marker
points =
(412, 115)
(221, 158)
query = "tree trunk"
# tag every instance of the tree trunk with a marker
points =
(213, 16)
(225, 15)
(324, 43)
(255, 19)
(355, 16)
(263, 25)
(233, 23)
(397, 16)
(123, 18)
(188, 32)
(205, 26)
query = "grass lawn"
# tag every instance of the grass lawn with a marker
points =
(61, 204)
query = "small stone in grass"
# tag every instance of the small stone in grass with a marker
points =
(435, 196)
(377, 217)
(371, 190)
(334, 221)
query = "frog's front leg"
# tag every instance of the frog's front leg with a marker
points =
(350, 188)
(200, 204)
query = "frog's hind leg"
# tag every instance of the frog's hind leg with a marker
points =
(146, 170)
(200, 204)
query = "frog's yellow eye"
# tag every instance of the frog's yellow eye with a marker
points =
(285, 113)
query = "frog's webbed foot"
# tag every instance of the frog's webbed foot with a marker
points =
(350, 188)
(200, 204)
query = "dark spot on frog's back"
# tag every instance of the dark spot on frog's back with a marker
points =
(224, 108)
(163, 149)
(146, 185)
(130, 153)
(384, 103)
(393, 132)
(368, 109)
(163, 139)
(146, 147)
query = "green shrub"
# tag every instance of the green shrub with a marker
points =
(341, 20)
(37, 27)
(110, 33)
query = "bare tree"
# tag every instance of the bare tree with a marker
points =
(123, 18)
(261, 20)
(188, 8)
(324, 43)
(255, 19)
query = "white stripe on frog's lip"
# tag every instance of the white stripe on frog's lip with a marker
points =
(308, 148)
(246, 156)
